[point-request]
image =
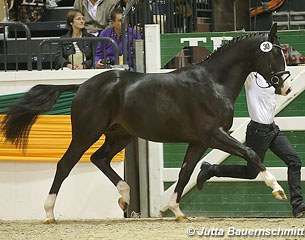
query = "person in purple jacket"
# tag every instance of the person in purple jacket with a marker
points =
(105, 51)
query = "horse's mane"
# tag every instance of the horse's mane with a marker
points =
(230, 43)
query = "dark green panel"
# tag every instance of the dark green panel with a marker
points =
(172, 43)
(7, 100)
(294, 38)
(295, 108)
(241, 109)
(234, 199)
(173, 154)
(62, 107)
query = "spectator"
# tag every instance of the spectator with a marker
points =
(105, 51)
(76, 55)
(136, 18)
(96, 13)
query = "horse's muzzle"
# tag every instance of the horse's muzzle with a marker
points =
(281, 78)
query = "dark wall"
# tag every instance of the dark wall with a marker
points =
(293, 5)
(263, 21)
(65, 3)
(223, 14)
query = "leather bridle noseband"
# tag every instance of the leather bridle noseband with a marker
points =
(275, 76)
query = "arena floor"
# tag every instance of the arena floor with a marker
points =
(157, 229)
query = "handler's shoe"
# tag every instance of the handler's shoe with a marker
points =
(206, 172)
(299, 211)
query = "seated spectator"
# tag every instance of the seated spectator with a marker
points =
(76, 55)
(105, 51)
(96, 13)
(136, 19)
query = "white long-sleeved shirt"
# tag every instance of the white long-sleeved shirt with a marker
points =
(261, 102)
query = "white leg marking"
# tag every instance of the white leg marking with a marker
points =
(174, 206)
(124, 189)
(49, 207)
(270, 181)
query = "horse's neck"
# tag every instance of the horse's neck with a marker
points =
(232, 77)
(231, 65)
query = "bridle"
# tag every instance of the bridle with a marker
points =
(275, 76)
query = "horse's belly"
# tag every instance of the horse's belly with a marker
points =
(158, 131)
(163, 120)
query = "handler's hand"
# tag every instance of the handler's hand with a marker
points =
(78, 67)
(99, 64)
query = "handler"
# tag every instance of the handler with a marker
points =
(262, 133)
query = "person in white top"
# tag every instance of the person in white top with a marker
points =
(96, 12)
(262, 134)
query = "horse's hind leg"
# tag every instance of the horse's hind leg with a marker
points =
(114, 143)
(90, 118)
(223, 141)
(64, 167)
(192, 156)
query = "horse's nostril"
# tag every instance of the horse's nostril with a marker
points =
(288, 91)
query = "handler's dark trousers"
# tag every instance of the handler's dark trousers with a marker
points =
(260, 137)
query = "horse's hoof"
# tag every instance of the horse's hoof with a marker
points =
(49, 221)
(279, 194)
(123, 205)
(181, 219)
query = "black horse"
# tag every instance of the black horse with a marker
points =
(194, 104)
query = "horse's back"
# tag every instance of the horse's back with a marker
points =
(102, 94)
(158, 107)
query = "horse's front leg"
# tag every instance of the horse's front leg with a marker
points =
(277, 192)
(192, 156)
(223, 141)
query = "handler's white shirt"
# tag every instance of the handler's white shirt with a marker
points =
(261, 102)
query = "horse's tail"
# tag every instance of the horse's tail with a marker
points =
(20, 117)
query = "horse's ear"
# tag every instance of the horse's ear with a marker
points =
(273, 31)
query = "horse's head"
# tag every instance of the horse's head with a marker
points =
(272, 65)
